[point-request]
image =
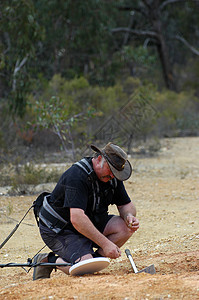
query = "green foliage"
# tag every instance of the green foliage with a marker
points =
(4, 179)
(77, 109)
(66, 61)
(138, 116)
(39, 39)
(80, 113)
(77, 38)
(20, 32)
(2, 142)
(139, 55)
(177, 113)
(112, 97)
(9, 208)
(190, 76)
(131, 84)
(62, 106)
(30, 175)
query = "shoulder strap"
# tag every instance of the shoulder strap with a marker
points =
(50, 217)
(113, 183)
(84, 164)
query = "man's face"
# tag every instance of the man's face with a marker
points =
(103, 171)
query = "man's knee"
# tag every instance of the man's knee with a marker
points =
(117, 225)
(125, 230)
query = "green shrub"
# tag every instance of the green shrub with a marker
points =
(178, 113)
(31, 175)
(76, 111)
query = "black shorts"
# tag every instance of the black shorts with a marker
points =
(101, 221)
(71, 245)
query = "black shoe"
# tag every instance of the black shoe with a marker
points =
(41, 272)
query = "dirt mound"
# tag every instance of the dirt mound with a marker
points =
(165, 191)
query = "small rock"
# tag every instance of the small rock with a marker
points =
(191, 222)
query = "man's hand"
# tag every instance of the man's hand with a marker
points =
(83, 224)
(127, 213)
(132, 222)
(111, 250)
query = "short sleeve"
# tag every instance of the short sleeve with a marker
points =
(76, 194)
(120, 196)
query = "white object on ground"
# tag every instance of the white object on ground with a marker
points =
(89, 266)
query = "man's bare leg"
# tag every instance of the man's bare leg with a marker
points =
(66, 269)
(117, 232)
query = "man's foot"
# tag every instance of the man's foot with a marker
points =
(41, 272)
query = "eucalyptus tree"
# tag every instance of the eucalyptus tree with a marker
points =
(41, 38)
(94, 38)
(19, 34)
(77, 40)
(159, 23)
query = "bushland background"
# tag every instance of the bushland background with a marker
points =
(72, 72)
(77, 72)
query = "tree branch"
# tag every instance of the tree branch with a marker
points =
(146, 42)
(136, 32)
(167, 2)
(147, 4)
(7, 38)
(18, 66)
(58, 132)
(131, 8)
(127, 33)
(194, 50)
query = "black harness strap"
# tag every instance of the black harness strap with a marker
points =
(113, 183)
(44, 211)
(84, 164)
(50, 217)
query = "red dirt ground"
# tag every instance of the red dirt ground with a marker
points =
(165, 190)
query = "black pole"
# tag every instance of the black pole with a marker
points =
(11, 265)
(13, 231)
(9, 236)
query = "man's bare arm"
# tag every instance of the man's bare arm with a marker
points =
(82, 224)
(128, 214)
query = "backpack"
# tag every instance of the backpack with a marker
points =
(37, 204)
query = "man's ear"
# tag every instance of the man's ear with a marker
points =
(97, 160)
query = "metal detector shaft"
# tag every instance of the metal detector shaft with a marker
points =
(13, 231)
(128, 254)
(33, 265)
(9, 236)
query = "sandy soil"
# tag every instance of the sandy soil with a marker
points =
(165, 190)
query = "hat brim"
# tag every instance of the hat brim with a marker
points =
(124, 174)
(96, 149)
(120, 175)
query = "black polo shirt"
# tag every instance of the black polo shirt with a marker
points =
(74, 190)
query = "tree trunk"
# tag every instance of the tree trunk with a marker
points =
(161, 44)
(164, 59)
